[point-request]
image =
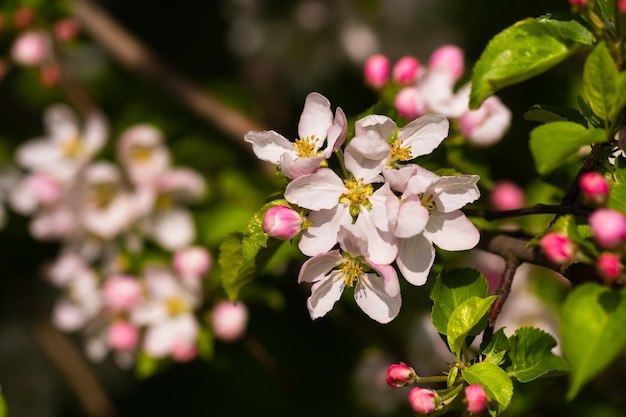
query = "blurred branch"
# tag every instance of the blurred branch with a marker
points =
(135, 56)
(74, 368)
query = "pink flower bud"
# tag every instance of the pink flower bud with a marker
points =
(282, 222)
(558, 248)
(121, 292)
(578, 2)
(405, 71)
(183, 352)
(45, 188)
(399, 375)
(476, 398)
(229, 320)
(622, 6)
(49, 75)
(409, 103)
(376, 71)
(609, 265)
(65, 30)
(594, 187)
(506, 195)
(422, 400)
(23, 17)
(450, 57)
(193, 262)
(123, 335)
(30, 48)
(608, 227)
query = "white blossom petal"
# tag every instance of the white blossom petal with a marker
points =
(324, 295)
(317, 191)
(316, 118)
(268, 145)
(416, 256)
(451, 231)
(371, 296)
(452, 193)
(424, 134)
(317, 267)
(321, 236)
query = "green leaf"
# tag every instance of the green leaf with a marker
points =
(497, 346)
(531, 355)
(496, 383)
(464, 320)
(524, 50)
(592, 331)
(235, 273)
(551, 143)
(607, 9)
(602, 86)
(451, 288)
(545, 114)
(3, 406)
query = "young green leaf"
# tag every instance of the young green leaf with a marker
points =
(617, 196)
(531, 355)
(451, 288)
(546, 114)
(496, 383)
(497, 346)
(551, 143)
(602, 85)
(465, 319)
(592, 331)
(524, 50)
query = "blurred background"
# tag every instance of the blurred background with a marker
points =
(258, 58)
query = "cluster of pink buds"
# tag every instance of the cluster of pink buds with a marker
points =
(418, 90)
(35, 42)
(424, 400)
(102, 213)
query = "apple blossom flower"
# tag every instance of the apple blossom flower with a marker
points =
(476, 398)
(400, 375)
(608, 227)
(595, 188)
(486, 125)
(449, 58)
(558, 248)
(376, 71)
(422, 400)
(439, 222)
(229, 320)
(506, 195)
(143, 154)
(80, 303)
(376, 287)
(66, 148)
(304, 156)
(406, 70)
(282, 222)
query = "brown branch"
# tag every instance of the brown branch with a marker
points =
(526, 211)
(73, 367)
(503, 291)
(135, 56)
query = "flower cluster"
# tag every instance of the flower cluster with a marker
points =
(417, 90)
(373, 214)
(35, 43)
(105, 214)
(606, 245)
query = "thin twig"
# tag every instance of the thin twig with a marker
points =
(526, 211)
(73, 367)
(503, 291)
(135, 56)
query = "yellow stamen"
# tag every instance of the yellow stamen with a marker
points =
(357, 195)
(175, 306)
(351, 271)
(305, 147)
(72, 147)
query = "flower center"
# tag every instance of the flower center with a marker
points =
(102, 194)
(357, 194)
(140, 153)
(428, 201)
(306, 147)
(72, 147)
(398, 153)
(175, 306)
(351, 270)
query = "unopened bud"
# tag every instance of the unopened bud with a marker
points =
(578, 2)
(558, 248)
(621, 6)
(30, 48)
(121, 292)
(476, 398)
(229, 320)
(183, 352)
(409, 103)
(123, 335)
(449, 56)
(193, 262)
(282, 222)
(609, 265)
(65, 30)
(422, 400)
(376, 71)
(406, 70)
(400, 375)
(595, 188)
(23, 17)
(506, 195)
(608, 227)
